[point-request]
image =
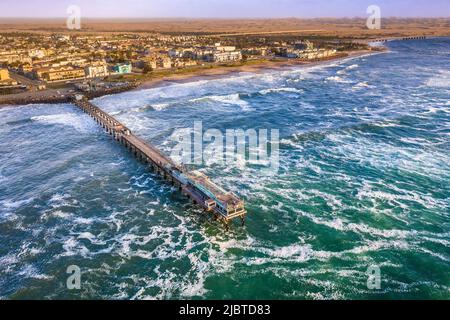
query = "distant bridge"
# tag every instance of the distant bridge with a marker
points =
(382, 40)
(224, 205)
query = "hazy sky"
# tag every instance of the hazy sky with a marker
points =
(224, 8)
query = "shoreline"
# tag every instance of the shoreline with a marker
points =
(262, 67)
(49, 96)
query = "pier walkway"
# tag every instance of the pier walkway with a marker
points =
(224, 205)
(383, 40)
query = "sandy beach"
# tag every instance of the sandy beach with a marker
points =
(220, 72)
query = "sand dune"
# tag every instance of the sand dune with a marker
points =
(355, 27)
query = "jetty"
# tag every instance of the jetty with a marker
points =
(224, 206)
(384, 40)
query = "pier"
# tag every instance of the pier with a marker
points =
(223, 205)
(384, 40)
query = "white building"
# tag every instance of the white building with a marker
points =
(227, 56)
(219, 47)
(96, 70)
(173, 53)
(36, 53)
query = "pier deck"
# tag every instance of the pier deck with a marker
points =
(224, 205)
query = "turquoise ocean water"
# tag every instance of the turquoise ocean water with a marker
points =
(363, 181)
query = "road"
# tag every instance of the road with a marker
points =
(24, 80)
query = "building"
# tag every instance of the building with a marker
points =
(173, 53)
(221, 48)
(185, 53)
(15, 58)
(4, 74)
(151, 64)
(64, 73)
(317, 54)
(226, 56)
(74, 61)
(97, 69)
(122, 68)
(5, 80)
(183, 63)
(36, 53)
(164, 63)
(257, 51)
(145, 63)
(304, 45)
(25, 69)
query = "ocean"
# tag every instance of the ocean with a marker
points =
(363, 183)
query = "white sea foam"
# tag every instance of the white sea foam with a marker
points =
(433, 110)
(160, 106)
(299, 252)
(80, 220)
(361, 85)
(418, 141)
(337, 79)
(8, 261)
(385, 155)
(344, 71)
(440, 80)
(87, 235)
(398, 196)
(79, 122)
(155, 106)
(351, 67)
(73, 248)
(11, 204)
(57, 214)
(231, 99)
(289, 90)
(29, 271)
(177, 243)
(290, 142)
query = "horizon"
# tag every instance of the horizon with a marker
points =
(223, 9)
(220, 18)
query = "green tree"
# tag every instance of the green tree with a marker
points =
(147, 68)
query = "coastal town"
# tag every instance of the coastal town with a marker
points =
(51, 66)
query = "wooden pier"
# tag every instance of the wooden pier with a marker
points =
(384, 40)
(224, 205)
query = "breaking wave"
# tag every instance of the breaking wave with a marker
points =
(77, 121)
(231, 99)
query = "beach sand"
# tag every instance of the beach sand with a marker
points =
(220, 72)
